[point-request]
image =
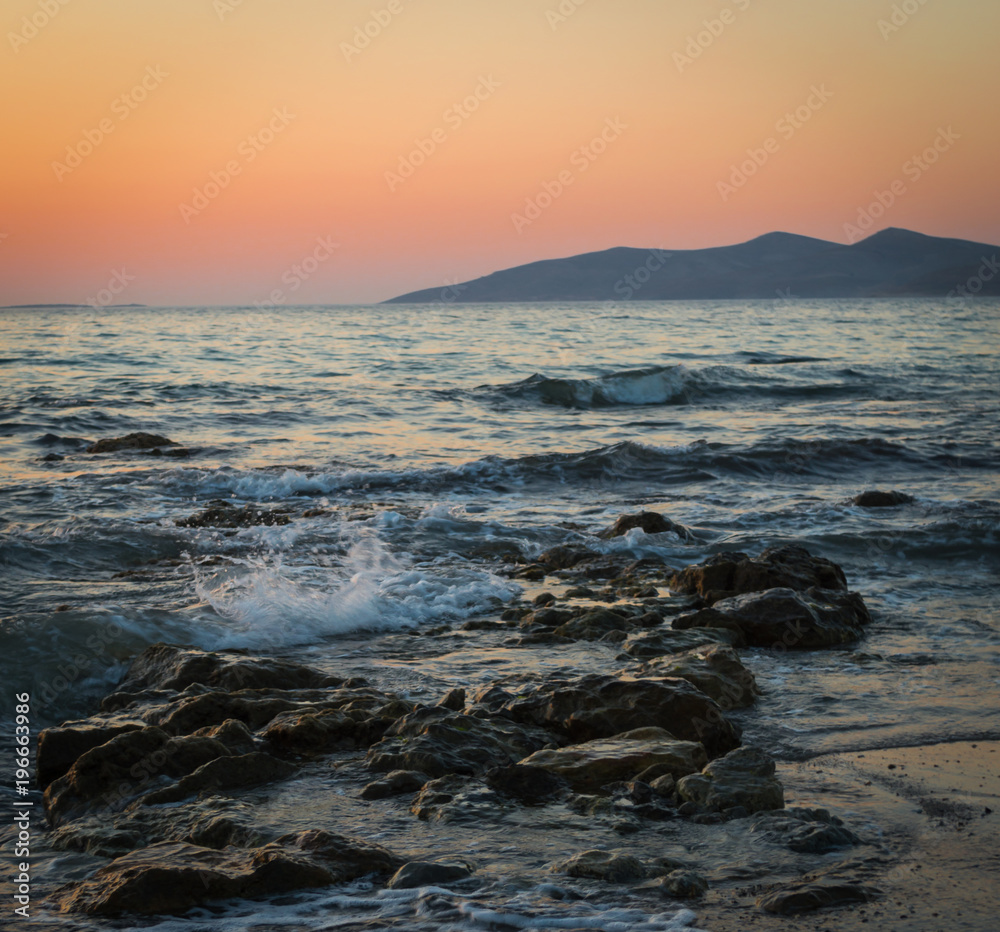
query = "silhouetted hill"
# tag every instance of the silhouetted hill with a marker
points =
(893, 262)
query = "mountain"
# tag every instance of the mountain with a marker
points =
(892, 263)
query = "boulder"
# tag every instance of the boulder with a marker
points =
(566, 556)
(816, 894)
(394, 784)
(644, 645)
(438, 742)
(59, 748)
(134, 441)
(808, 831)
(684, 885)
(594, 764)
(608, 866)
(529, 785)
(233, 734)
(594, 625)
(728, 574)
(744, 777)
(874, 498)
(716, 670)
(651, 522)
(456, 799)
(785, 619)
(600, 706)
(224, 773)
(427, 873)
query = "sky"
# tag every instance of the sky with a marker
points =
(281, 152)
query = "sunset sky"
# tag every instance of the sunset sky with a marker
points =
(242, 151)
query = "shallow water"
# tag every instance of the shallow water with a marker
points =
(435, 439)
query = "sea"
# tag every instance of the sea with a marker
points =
(414, 446)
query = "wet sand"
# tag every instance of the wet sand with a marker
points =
(939, 808)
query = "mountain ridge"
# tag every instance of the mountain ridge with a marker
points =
(891, 263)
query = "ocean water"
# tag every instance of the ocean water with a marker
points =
(412, 446)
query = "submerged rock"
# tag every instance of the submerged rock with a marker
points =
(729, 574)
(651, 522)
(785, 619)
(603, 865)
(684, 885)
(809, 831)
(529, 785)
(744, 777)
(456, 799)
(874, 498)
(600, 706)
(394, 784)
(594, 764)
(716, 670)
(816, 894)
(427, 873)
(134, 441)
(224, 515)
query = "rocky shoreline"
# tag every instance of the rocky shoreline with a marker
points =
(173, 790)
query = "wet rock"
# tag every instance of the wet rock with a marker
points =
(874, 498)
(134, 441)
(222, 831)
(645, 645)
(527, 784)
(651, 522)
(566, 556)
(395, 783)
(729, 574)
(59, 748)
(456, 799)
(808, 831)
(225, 515)
(172, 877)
(224, 773)
(600, 706)
(804, 897)
(592, 626)
(716, 670)
(594, 764)
(744, 777)
(165, 667)
(546, 617)
(785, 619)
(427, 873)
(437, 742)
(608, 866)
(454, 700)
(684, 885)
(233, 734)
(664, 786)
(352, 719)
(110, 774)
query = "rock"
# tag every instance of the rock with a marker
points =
(651, 522)
(531, 786)
(603, 865)
(664, 786)
(878, 499)
(173, 877)
(222, 831)
(123, 767)
(785, 619)
(566, 556)
(453, 700)
(356, 719)
(594, 764)
(684, 885)
(803, 897)
(808, 831)
(728, 574)
(744, 777)
(456, 799)
(224, 773)
(225, 515)
(135, 441)
(600, 706)
(645, 645)
(233, 734)
(438, 742)
(163, 667)
(394, 784)
(716, 670)
(59, 748)
(427, 873)
(592, 626)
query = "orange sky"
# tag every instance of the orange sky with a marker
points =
(117, 113)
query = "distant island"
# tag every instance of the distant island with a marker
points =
(892, 263)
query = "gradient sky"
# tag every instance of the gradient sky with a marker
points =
(218, 72)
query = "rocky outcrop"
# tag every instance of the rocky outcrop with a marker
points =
(651, 522)
(784, 619)
(656, 642)
(600, 706)
(134, 441)
(226, 515)
(608, 866)
(728, 574)
(743, 778)
(874, 498)
(59, 748)
(716, 670)
(594, 764)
